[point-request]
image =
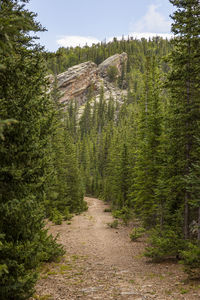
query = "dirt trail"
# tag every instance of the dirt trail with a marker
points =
(102, 263)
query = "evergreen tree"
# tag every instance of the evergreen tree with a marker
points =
(184, 104)
(85, 121)
(23, 153)
(145, 172)
(178, 177)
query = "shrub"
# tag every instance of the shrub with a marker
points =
(84, 206)
(124, 214)
(113, 224)
(112, 73)
(107, 210)
(136, 233)
(164, 244)
(49, 250)
(56, 217)
(67, 215)
(191, 260)
(18, 263)
(80, 207)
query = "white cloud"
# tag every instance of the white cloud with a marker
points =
(73, 41)
(152, 24)
(152, 21)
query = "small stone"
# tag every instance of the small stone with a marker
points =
(89, 289)
(129, 293)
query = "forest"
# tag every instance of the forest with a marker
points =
(141, 157)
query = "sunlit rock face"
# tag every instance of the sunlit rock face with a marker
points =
(117, 60)
(75, 83)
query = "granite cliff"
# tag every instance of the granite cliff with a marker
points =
(75, 83)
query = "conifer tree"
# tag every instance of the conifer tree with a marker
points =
(180, 164)
(184, 105)
(23, 153)
(145, 172)
(85, 121)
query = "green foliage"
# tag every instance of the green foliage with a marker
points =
(136, 233)
(25, 153)
(64, 188)
(17, 276)
(3, 269)
(136, 49)
(142, 156)
(67, 215)
(56, 217)
(146, 169)
(107, 210)
(50, 249)
(190, 258)
(113, 224)
(164, 244)
(84, 206)
(112, 73)
(183, 116)
(124, 214)
(3, 124)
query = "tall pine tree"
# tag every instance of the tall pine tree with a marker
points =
(184, 85)
(23, 153)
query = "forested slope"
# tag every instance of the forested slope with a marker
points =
(64, 58)
(142, 157)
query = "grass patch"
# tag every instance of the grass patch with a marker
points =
(51, 273)
(184, 291)
(65, 268)
(168, 292)
(43, 297)
(132, 281)
(78, 274)
(75, 257)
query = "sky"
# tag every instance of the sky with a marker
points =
(77, 22)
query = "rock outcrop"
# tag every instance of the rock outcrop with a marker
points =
(77, 80)
(74, 83)
(116, 60)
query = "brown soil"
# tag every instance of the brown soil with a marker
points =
(102, 263)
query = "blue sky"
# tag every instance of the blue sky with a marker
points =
(77, 22)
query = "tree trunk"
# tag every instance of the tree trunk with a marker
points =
(186, 217)
(188, 148)
(198, 236)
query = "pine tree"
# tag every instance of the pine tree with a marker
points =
(64, 190)
(85, 120)
(184, 105)
(178, 185)
(145, 171)
(23, 154)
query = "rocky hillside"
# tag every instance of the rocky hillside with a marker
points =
(75, 83)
